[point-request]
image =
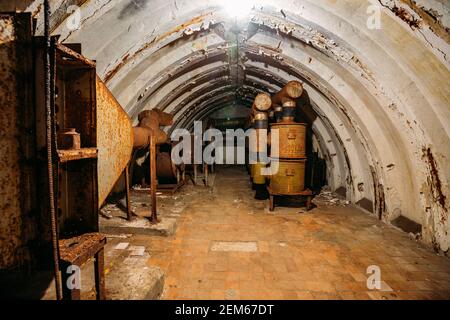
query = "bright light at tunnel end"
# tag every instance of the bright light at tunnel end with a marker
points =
(237, 8)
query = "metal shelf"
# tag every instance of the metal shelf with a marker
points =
(77, 154)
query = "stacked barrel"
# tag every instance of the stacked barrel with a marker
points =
(260, 122)
(291, 145)
(287, 153)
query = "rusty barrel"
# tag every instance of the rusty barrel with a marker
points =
(258, 178)
(260, 124)
(292, 140)
(252, 170)
(290, 177)
(258, 141)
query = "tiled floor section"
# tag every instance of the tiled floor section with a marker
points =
(322, 254)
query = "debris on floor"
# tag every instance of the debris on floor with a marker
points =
(136, 250)
(328, 198)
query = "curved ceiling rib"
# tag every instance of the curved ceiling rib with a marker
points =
(377, 103)
(189, 65)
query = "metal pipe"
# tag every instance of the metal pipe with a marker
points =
(53, 218)
(291, 91)
(130, 214)
(260, 122)
(262, 102)
(141, 137)
(151, 120)
(75, 55)
(261, 105)
(165, 119)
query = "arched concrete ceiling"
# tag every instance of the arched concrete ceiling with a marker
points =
(380, 97)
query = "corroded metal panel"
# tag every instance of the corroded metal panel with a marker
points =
(9, 151)
(114, 140)
(16, 165)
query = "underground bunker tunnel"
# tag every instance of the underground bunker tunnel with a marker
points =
(246, 149)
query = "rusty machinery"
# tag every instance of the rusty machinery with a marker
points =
(118, 139)
(260, 122)
(94, 145)
(66, 126)
(75, 141)
(169, 176)
(289, 179)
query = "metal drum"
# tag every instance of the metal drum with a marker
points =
(290, 178)
(292, 140)
(258, 178)
(261, 126)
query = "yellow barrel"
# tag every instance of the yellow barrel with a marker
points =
(292, 140)
(258, 178)
(254, 141)
(290, 178)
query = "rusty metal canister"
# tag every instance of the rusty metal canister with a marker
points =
(258, 178)
(292, 140)
(290, 177)
(258, 141)
(69, 139)
(278, 113)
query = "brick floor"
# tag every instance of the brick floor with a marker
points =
(321, 254)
